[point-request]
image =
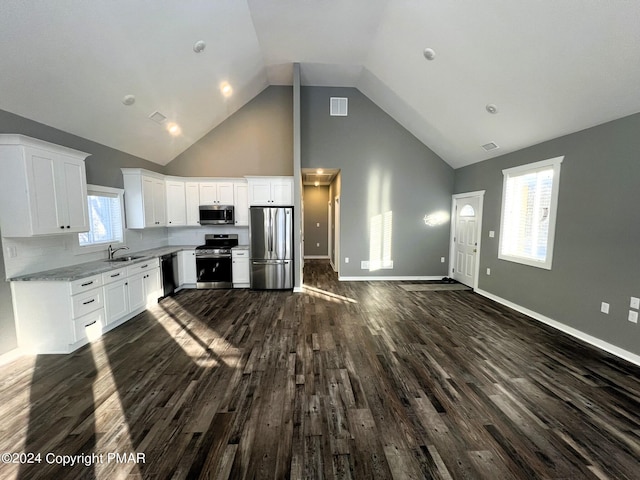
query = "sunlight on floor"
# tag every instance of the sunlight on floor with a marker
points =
(332, 297)
(204, 353)
(110, 418)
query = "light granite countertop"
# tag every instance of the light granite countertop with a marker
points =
(82, 270)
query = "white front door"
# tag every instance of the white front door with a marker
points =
(467, 217)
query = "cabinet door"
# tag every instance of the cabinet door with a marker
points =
(152, 286)
(187, 274)
(46, 215)
(72, 196)
(147, 201)
(241, 209)
(192, 195)
(176, 204)
(260, 193)
(116, 300)
(240, 270)
(225, 193)
(208, 193)
(282, 192)
(159, 203)
(137, 292)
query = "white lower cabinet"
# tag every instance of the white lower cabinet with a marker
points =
(240, 268)
(187, 273)
(61, 316)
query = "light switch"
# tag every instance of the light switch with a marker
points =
(633, 316)
(492, 234)
(635, 303)
(318, 224)
(604, 307)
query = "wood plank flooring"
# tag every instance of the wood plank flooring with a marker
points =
(348, 380)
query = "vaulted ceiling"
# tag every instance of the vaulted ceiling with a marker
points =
(549, 67)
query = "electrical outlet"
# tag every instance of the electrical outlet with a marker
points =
(634, 303)
(318, 224)
(441, 259)
(364, 264)
(488, 271)
(317, 244)
(633, 316)
(346, 259)
(604, 307)
(492, 234)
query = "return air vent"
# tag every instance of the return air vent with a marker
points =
(158, 117)
(490, 146)
(338, 107)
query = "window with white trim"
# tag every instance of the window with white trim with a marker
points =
(529, 203)
(105, 217)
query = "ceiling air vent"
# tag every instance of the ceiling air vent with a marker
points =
(490, 146)
(158, 117)
(338, 107)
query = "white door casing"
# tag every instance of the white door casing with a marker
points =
(466, 228)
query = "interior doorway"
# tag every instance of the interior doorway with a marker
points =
(466, 236)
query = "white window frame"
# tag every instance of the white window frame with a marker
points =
(100, 190)
(508, 173)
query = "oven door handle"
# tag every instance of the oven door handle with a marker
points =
(212, 256)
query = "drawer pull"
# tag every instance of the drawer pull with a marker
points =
(86, 284)
(92, 323)
(115, 275)
(89, 301)
(145, 265)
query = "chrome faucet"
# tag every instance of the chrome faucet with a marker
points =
(112, 251)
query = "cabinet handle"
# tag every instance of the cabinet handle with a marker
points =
(61, 226)
(89, 301)
(88, 283)
(68, 226)
(144, 266)
(115, 275)
(92, 323)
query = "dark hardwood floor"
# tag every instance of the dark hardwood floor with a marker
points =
(347, 380)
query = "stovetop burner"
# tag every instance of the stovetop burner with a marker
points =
(217, 244)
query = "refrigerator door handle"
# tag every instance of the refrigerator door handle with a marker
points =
(270, 262)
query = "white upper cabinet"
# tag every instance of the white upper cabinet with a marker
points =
(192, 196)
(176, 203)
(268, 191)
(144, 198)
(241, 206)
(216, 193)
(43, 188)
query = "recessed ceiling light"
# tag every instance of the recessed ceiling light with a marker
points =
(174, 129)
(492, 109)
(429, 53)
(317, 184)
(319, 171)
(129, 100)
(199, 46)
(226, 89)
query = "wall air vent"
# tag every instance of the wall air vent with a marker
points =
(158, 117)
(338, 107)
(490, 146)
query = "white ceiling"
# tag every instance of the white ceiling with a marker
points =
(551, 67)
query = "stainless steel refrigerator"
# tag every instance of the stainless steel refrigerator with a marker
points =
(271, 247)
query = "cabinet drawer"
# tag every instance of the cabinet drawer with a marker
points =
(85, 284)
(240, 253)
(142, 266)
(114, 275)
(89, 326)
(86, 302)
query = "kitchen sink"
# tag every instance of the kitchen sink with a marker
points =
(123, 259)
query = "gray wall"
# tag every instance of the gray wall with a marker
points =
(256, 140)
(596, 256)
(316, 211)
(384, 168)
(7, 325)
(104, 163)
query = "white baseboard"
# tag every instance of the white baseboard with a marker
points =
(10, 356)
(298, 290)
(316, 257)
(585, 337)
(389, 279)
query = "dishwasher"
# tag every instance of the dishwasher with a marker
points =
(169, 272)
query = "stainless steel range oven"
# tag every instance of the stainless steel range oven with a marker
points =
(213, 261)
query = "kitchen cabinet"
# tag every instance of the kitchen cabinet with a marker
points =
(176, 203)
(43, 188)
(241, 204)
(144, 198)
(216, 193)
(187, 273)
(270, 191)
(240, 267)
(192, 197)
(64, 316)
(144, 285)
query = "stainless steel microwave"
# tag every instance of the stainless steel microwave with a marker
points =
(216, 215)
